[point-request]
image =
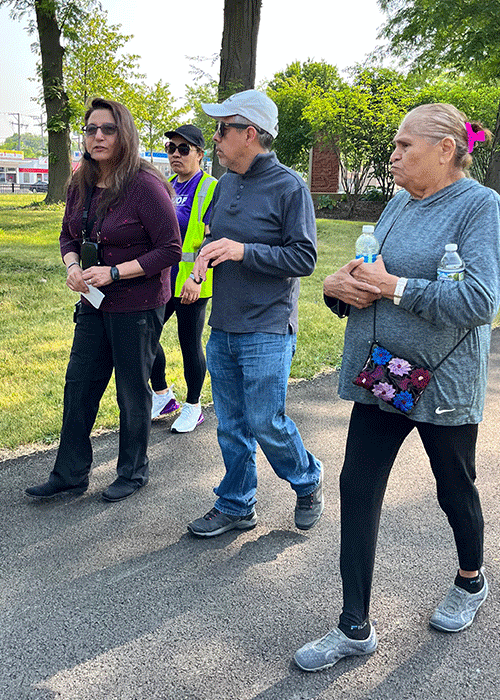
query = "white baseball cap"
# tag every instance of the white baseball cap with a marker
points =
(255, 106)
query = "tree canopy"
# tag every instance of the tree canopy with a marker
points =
(53, 20)
(31, 144)
(460, 36)
(95, 65)
(293, 90)
(444, 32)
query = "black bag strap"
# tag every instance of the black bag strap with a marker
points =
(375, 302)
(88, 224)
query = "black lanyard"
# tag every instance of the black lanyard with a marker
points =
(88, 224)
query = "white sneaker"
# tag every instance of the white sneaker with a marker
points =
(163, 404)
(190, 417)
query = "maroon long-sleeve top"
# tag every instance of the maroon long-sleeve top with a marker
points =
(142, 226)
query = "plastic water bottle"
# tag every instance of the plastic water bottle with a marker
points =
(452, 266)
(367, 245)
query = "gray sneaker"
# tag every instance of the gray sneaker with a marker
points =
(309, 508)
(325, 652)
(215, 523)
(458, 609)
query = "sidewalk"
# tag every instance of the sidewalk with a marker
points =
(117, 602)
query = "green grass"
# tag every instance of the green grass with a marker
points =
(36, 331)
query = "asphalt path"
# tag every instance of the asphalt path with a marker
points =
(105, 601)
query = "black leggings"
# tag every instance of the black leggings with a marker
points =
(373, 442)
(190, 323)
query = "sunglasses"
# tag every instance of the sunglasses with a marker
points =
(223, 126)
(183, 148)
(106, 129)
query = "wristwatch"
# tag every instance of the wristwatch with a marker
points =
(192, 277)
(400, 288)
(115, 273)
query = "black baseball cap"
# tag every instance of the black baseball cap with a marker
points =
(189, 132)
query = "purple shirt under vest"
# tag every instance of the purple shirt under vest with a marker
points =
(143, 227)
(183, 201)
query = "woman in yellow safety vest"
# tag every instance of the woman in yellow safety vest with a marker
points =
(193, 196)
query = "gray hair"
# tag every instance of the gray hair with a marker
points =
(439, 120)
(264, 137)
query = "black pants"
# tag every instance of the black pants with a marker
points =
(373, 442)
(126, 342)
(190, 323)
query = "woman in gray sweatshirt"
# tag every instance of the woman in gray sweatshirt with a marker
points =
(399, 302)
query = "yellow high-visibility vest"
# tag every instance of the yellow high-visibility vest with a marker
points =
(195, 234)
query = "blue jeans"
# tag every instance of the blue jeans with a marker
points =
(249, 373)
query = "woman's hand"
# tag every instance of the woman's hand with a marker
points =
(376, 274)
(190, 291)
(97, 275)
(75, 280)
(343, 285)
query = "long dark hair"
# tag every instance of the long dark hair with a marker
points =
(127, 163)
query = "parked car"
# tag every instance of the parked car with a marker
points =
(39, 186)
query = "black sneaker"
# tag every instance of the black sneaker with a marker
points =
(309, 508)
(215, 523)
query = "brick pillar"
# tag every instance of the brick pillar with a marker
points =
(323, 169)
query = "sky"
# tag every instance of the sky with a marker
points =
(341, 33)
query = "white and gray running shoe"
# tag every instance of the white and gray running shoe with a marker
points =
(458, 609)
(325, 652)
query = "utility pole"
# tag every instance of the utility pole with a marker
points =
(42, 124)
(19, 125)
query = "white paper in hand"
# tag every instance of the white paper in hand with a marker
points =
(94, 295)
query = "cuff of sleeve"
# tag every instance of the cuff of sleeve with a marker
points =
(400, 288)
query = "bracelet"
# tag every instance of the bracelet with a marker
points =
(400, 288)
(115, 273)
(192, 277)
(71, 265)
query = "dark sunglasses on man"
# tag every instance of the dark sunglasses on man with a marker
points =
(223, 126)
(183, 148)
(106, 129)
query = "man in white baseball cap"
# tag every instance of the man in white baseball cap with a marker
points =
(253, 105)
(262, 238)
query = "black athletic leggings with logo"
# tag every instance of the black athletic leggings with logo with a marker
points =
(190, 323)
(373, 441)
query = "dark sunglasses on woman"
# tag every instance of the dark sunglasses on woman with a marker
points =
(183, 148)
(106, 129)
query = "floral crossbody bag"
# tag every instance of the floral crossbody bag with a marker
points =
(393, 379)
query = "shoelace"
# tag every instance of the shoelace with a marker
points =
(211, 514)
(305, 502)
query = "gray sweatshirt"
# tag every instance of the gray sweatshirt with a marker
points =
(269, 209)
(433, 315)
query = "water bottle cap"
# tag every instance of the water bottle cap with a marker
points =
(368, 229)
(450, 247)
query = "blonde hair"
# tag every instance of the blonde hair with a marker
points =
(439, 120)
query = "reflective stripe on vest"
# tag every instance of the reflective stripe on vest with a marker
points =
(195, 234)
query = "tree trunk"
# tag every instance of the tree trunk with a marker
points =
(56, 101)
(492, 178)
(238, 56)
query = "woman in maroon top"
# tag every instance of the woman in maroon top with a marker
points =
(119, 235)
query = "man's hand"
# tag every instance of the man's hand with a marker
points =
(190, 291)
(221, 250)
(344, 286)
